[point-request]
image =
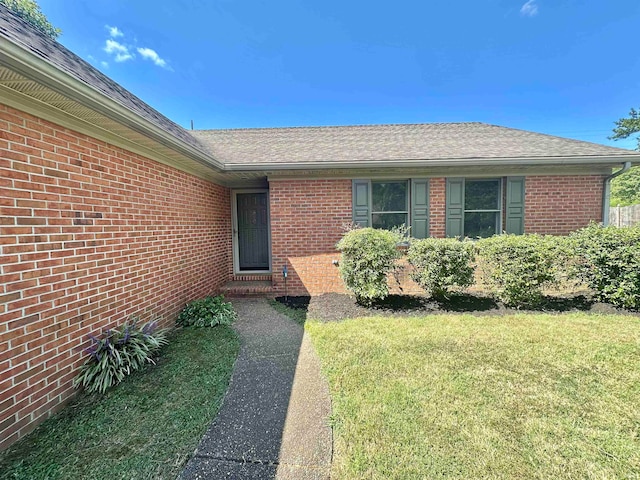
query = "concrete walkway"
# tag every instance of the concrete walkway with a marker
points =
(274, 420)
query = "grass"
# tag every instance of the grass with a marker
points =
(457, 396)
(146, 427)
(298, 315)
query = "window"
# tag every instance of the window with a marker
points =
(389, 204)
(475, 206)
(482, 207)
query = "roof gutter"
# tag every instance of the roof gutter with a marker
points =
(31, 66)
(441, 162)
(606, 192)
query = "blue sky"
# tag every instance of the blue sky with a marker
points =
(564, 67)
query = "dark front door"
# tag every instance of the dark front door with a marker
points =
(253, 231)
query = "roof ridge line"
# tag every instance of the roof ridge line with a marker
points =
(310, 127)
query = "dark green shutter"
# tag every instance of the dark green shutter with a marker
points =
(362, 202)
(419, 208)
(455, 207)
(515, 206)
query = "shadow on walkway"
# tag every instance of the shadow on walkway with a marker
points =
(274, 419)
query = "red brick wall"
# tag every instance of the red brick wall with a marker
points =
(554, 205)
(559, 205)
(90, 234)
(307, 218)
(437, 207)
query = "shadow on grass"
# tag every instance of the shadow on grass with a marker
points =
(293, 307)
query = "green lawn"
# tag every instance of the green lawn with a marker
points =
(457, 396)
(298, 315)
(147, 427)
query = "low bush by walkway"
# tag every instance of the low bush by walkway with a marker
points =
(458, 396)
(146, 427)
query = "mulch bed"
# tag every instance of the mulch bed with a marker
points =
(335, 307)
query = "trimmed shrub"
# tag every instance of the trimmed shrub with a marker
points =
(118, 353)
(608, 261)
(368, 255)
(517, 267)
(207, 312)
(442, 264)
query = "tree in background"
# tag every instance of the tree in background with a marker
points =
(29, 10)
(625, 189)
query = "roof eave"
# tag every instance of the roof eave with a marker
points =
(22, 61)
(445, 162)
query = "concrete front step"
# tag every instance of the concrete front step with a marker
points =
(248, 288)
(251, 277)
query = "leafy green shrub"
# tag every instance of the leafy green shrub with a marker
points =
(518, 267)
(368, 255)
(608, 260)
(442, 263)
(207, 312)
(118, 353)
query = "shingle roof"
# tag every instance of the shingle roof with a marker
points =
(429, 141)
(19, 32)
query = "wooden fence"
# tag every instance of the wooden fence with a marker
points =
(624, 216)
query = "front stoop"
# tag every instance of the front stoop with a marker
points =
(256, 286)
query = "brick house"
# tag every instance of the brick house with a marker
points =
(110, 209)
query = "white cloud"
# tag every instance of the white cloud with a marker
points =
(150, 54)
(120, 51)
(529, 9)
(114, 32)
